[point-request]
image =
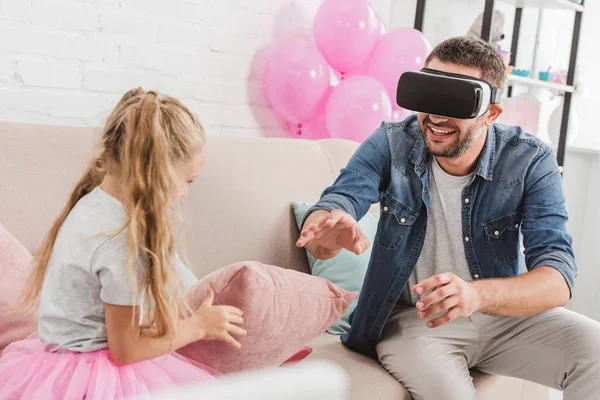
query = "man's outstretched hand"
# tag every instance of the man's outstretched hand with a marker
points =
(325, 234)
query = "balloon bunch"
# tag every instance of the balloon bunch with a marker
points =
(350, 42)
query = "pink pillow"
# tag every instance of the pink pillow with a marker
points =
(15, 265)
(283, 310)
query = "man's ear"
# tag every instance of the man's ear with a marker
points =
(493, 113)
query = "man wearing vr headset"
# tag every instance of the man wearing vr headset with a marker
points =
(446, 290)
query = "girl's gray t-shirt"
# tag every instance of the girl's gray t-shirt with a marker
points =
(88, 268)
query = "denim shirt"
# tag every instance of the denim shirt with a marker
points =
(517, 189)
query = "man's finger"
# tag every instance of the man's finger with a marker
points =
(439, 307)
(305, 237)
(319, 223)
(452, 314)
(339, 217)
(308, 233)
(361, 242)
(321, 234)
(429, 284)
(336, 215)
(436, 296)
(345, 222)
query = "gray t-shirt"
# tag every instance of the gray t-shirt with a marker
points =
(443, 249)
(88, 268)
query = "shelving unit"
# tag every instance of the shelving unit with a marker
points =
(521, 80)
(567, 6)
(555, 4)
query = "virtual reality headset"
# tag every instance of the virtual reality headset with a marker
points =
(449, 95)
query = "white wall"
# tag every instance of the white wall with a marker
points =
(582, 191)
(68, 61)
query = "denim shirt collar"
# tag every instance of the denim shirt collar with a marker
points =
(485, 166)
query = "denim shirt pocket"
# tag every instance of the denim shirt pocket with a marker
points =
(395, 222)
(503, 236)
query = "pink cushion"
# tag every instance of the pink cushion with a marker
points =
(15, 264)
(283, 310)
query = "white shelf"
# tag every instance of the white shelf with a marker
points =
(516, 79)
(578, 147)
(560, 4)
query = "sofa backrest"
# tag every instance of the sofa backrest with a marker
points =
(239, 208)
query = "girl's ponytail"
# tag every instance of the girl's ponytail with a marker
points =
(147, 172)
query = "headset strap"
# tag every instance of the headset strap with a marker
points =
(496, 96)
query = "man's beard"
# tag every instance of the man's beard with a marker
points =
(464, 140)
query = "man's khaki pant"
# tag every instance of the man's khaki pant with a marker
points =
(557, 348)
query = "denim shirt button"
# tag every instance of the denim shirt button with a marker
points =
(467, 200)
(403, 220)
(385, 209)
(476, 276)
(496, 233)
(467, 239)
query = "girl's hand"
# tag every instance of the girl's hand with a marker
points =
(219, 322)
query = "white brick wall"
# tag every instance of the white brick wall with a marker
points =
(69, 61)
(15, 9)
(57, 54)
(49, 73)
(64, 15)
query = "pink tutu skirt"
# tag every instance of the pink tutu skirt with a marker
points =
(27, 371)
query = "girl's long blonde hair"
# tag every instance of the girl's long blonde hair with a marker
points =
(145, 136)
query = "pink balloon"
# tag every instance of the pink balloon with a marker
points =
(316, 127)
(399, 114)
(296, 77)
(398, 51)
(346, 32)
(357, 107)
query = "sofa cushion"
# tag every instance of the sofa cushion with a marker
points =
(370, 381)
(15, 265)
(346, 270)
(283, 310)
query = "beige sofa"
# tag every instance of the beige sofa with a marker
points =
(239, 209)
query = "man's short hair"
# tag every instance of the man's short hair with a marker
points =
(474, 53)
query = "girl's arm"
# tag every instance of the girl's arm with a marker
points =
(128, 343)
(188, 279)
